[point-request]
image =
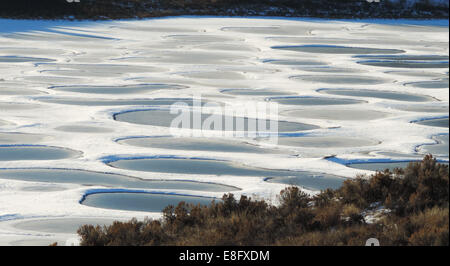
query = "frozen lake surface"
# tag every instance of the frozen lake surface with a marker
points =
(35, 153)
(85, 119)
(140, 201)
(199, 144)
(164, 118)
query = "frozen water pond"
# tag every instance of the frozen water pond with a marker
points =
(95, 70)
(118, 102)
(84, 129)
(390, 95)
(140, 201)
(88, 178)
(21, 59)
(254, 92)
(11, 91)
(406, 57)
(314, 101)
(336, 114)
(340, 79)
(405, 61)
(163, 118)
(60, 225)
(418, 74)
(43, 188)
(196, 144)
(271, 30)
(327, 69)
(51, 80)
(332, 49)
(438, 122)
(197, 38)
(85, 108)
(15, 88)
(189, 58)
(20, 153)
(326, 142)
(214, 75)
(435, 84)
(142, 88)
(241, 47)
(19, 138)
(423, 108)
(404, 64)
(294, 62)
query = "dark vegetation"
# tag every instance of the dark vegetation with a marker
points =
(416, 199)
(114, 9)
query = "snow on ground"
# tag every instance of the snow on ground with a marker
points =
(206, 55)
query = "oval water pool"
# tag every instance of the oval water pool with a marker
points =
(164, 118)
(140, 201)
(21, 153)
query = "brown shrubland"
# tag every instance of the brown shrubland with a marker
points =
(416, 197)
